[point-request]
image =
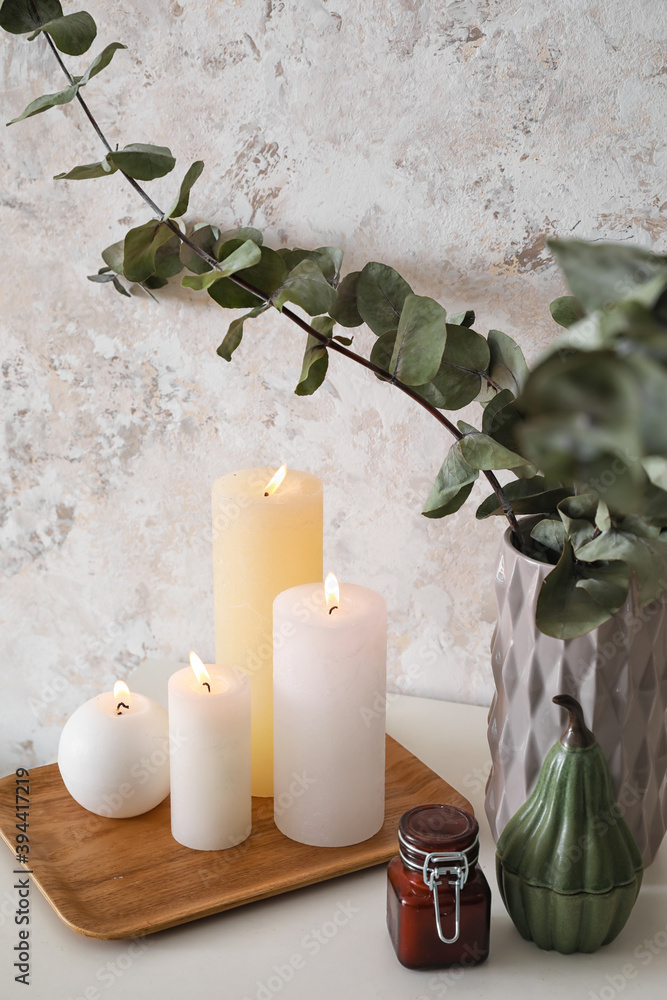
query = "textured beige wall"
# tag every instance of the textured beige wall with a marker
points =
(447, 139)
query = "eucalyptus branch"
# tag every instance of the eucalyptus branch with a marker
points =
(328, 342)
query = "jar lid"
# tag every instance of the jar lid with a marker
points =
(437, 828)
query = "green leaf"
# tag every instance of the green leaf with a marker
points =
(600, 274)
(328, 259)
(20, 16)
(143, 161)
(88, 170)
(607, 585)
(113, 256)
(527, 496)
(345, 341)
(420, 340)
(550, 534)
(241, 234)
(459, 377)
(646, 556)
(344, 310)
(466, 318)
(507, 366)
(381, 293)
(72, 34)
(140, 247)
(234, 333)
(482, 452)
(566, 311)
(565, 610)
(306, 286)
(100, 62)
(602, 518)
(266, 277)
(47, 101)
(244, 256)
(452, 486)
(121, 288)
(491, 418)
(103, 275)
(315, 359)
(382, 351)
(167, 263)
(180, 206)
(155, 281)
(203, 236)
(655, 467)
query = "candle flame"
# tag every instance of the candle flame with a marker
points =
(120, 690)
(275, 482)
(331, 592)
(200, 670)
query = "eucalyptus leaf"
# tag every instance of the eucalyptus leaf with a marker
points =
(243, 257)
(87, 171)
(167, 263)
(140, 247)
(482, 452)
(102, 276)
(47, 101)
(241, 234)
(344, 310)
(143, 161)
(607, 585)
(101, 62)
(72, 34)
(603, 273)
(492, 416)
(527, 496)
(459, 377)
(118, 285)
(382, 351)
(420, 340)
(20, 16)
(655, 467)
(204, 236)
(234, 334)
(381, 292)
(549, 534)
(113, 256)
(566, 311)
(452, 486)
(328, 259)
(564, 609)
(155, 281)
(266, 277)
(345, 341)
(507, 365)
(602, 518)
(315, 359)
(466, 318)
(306, 286)
(180, 206)
(647, 557)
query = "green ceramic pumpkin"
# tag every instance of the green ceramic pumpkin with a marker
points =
(568, 868)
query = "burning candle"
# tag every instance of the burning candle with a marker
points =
(113, 754)
(267, 536)
(329, 713)
(209, 734)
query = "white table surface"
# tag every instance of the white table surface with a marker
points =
(271, 948)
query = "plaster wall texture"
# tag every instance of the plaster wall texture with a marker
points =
(446, 139)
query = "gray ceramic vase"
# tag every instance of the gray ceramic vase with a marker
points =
(618, 672)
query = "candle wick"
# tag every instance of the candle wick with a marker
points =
(121, 704)
(206, 685)
(334, 608)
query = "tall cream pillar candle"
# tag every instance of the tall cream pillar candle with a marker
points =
(261, 546)
(329, 720)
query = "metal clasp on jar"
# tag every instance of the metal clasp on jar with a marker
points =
(435, 867)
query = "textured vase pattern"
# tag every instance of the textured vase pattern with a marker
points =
(618, 672)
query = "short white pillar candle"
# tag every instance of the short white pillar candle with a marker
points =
(209, 735)
(329, 659)
(113, 754)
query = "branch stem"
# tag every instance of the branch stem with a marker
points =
(330, 344)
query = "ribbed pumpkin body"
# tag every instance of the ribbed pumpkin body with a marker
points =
(568, 868)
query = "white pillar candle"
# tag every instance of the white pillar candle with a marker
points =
(329, 718)
(113, 754)
(209, 734)
(267, 536)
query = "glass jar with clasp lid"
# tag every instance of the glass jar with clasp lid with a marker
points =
(438, 900)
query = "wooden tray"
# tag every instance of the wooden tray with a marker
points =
(128, 877)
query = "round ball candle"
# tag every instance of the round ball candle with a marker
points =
(113, 754)
(267, 536)
(209, 736)
(330, 665)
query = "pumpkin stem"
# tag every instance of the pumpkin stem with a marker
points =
(576, 735)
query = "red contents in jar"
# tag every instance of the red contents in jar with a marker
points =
(441, 842)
